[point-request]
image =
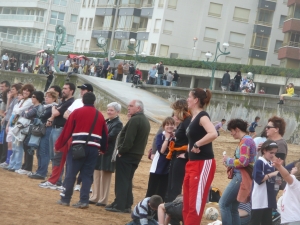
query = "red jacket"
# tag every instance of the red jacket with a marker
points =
(78, 126)
(138, 72)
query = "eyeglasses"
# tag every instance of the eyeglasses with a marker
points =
(269, 127)
(33, 96)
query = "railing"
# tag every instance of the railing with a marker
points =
(263, 23)
(240, 19)
(142, 29)
(209, 39)
(291, 44)
(259, 47)
(102, 28)
(127, 29)
(235, 44)
(145, 4)
(22, 40)
(21, 17)
(131, 5)
(167, 31)
(106, 6)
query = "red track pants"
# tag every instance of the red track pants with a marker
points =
(198, 177)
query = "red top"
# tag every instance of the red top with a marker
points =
(138, 72)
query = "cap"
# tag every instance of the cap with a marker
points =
(88, 87)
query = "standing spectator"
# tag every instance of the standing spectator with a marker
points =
(26, 67)
(92, 69)
(12, 62)
(105, 167)
(96, 143)
(289, 92)
(62, 66)
(201, 167)
(131, 146)
(251, 86)
(131, 73)
(4, 61)
(120, 72)
(169, 78)
(125, 71)
(49, 80)
(176, 78)
(262, 91)
(241, 169)
(106, 66)
(164, 77)
(225, 81)
(80, 69)
(67, 65)
(99, 69)
(151, 75)
(237, 81)
(160, 72)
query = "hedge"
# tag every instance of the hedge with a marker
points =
(265, 70)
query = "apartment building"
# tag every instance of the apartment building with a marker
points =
(289, 53)
(187, 29)
(29, 26)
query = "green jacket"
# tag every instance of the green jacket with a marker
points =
(134, 136)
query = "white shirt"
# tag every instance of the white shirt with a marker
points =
(290, 210)
(20, 107)
(67, 63)
(76, 105)
(5, 57)
(257, 141)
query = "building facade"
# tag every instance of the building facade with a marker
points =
(173, 28)
(29, 26)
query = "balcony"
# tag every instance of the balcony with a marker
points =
(130, 6)
(267, 5)
(264, 23)
(30, 21)
(292, 2)
(22, 40)
(44, 4)
(102, 28)
(291, 25)
(289, 52)
(21, 17)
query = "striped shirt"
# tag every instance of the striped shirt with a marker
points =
(142, 211)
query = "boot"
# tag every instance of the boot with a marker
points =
(280, 102)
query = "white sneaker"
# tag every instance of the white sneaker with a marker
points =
(47, 184)
(17, 171)
(3, 165)
(77, 187)
(60, 188)
(23, 172)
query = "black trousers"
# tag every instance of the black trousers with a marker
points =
(28, 159)
(157, 185)
(120, 77)
(3, 147)
(151, 80)
(126, 166)
(261, 217)
(104, 73)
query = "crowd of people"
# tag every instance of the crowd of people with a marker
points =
(85, 149)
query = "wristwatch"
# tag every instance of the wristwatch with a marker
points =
(196, 146)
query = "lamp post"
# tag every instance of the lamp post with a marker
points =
(195, 39)
(136, 48)
(213, 63)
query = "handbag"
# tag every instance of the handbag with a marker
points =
(38, 130)
(78, 151)
(229, 172)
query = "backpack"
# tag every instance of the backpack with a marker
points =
(214, 194)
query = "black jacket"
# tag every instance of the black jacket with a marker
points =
(114, 127)
(225, 79)
(160, 69)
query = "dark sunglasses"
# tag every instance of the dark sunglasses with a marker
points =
(33, 96)
(269, 127)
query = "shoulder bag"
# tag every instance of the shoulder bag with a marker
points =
(78, 151)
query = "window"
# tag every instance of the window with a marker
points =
(70, 38)
(278, 44)
(215, 9)
(87, 45)
(143, 24)
(237, 39)
(172, 4)
(210, 34)
(90, 23)
(107, 22)
(153, 49)
(282, 19)
(50, 37)
(260, 42)
(164, 49)
(74, 18)
(80, 23)
(294, 40)
(229, 59)
(241, 14)
(57, 18)
(60, 2)
(157, 25)
(256, 62)
(265, 17)
(129, 23)
(168, 27)
(161, 3)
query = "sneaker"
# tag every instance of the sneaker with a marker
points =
(23, 172)
(77, 187)
(81, 205)
(60, 188)
(60, 202)
(47, 184)
(3, 165)
(36, 176)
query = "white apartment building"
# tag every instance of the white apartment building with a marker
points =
(27, 26)
(187, 29)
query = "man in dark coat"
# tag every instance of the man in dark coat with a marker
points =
(225, 81)
(105, 167)
(131, 146)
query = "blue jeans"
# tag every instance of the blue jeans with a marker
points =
(228, 202)
(66, 69)
(158, 80)
(86, 168)
(174, 83)
(245, 220)
(55, 132)
(137, 222)
(164, 82)
(43, 154)
(17, 155)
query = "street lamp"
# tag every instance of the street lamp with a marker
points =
(195, 39)
(250, 75)
(136, 48)
(213, 63)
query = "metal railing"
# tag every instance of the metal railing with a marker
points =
(22, 40)
(21, 17)
(102, 28)
(142, 29)
(291, 44)
(259, 47)
(131, 5)
(263, 23)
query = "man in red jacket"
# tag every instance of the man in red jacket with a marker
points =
(78, 126)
